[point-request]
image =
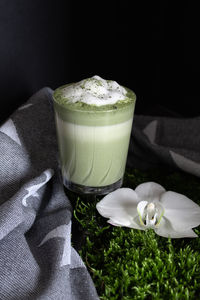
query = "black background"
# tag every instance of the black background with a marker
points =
(152, 48)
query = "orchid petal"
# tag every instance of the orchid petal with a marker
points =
(119, 206)
(166, 230)
(114, 223)
(149, 191)
(134, 223)
(140, 209)
(161, 211)
(182, 212)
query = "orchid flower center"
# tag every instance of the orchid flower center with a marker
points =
(150, 214)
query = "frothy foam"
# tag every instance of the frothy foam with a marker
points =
(94, 91)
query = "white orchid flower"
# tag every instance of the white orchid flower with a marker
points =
(168, 213)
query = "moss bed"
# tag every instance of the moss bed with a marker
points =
(131, 264)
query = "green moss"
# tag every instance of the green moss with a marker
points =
(131, 264)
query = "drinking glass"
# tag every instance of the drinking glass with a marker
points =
(93, 144)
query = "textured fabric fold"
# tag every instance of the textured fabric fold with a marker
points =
(173, 142)
(37, 260)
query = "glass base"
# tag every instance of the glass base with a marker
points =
(92, 190)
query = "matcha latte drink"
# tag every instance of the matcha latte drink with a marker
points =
(93, 122)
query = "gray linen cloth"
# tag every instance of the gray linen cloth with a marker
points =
(165, 141)
(37, 260)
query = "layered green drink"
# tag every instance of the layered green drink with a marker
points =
(93, 122)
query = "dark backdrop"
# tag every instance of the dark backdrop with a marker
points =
(151, 48)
